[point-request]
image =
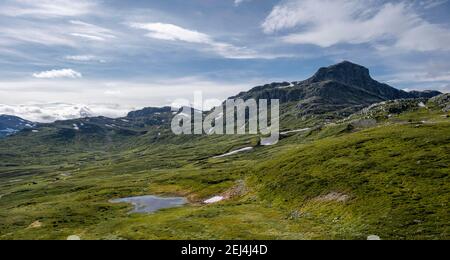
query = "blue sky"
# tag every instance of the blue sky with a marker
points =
(115, 55)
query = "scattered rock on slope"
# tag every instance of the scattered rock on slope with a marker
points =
(333, 196)
(36, 224)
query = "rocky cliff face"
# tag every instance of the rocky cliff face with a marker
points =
(344, 86)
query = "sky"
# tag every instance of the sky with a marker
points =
(113, 56)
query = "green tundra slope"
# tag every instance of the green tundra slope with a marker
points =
(384, 171)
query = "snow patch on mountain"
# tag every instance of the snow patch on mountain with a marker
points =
(214, 200)
(8, 131)
(246, 149)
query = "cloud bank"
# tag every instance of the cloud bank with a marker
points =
(171, 32)
(330, 22)
(155, 52)
(29, 99)
(50, 112)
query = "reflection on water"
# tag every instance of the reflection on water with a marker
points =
(150, 204)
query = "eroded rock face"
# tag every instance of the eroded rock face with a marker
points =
(36, 224)
(239, 190)
(344, 88)
(442, 101)
(148, 111)
(344, 72)
(333, 196)
(391, 107)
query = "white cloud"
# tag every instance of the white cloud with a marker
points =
(63, 73)
(84, 58)
(428, 4)
(425, 37)
(90, 31)
(49, 34)
(50, 112)
(171, 32)
(47, 8)
(329, 22)
(432, 74)
(417, 77)
(88, 37)
(130, 95)
(445, 88)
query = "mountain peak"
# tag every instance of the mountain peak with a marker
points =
(345, 72)
(148, 111)
(12, 124)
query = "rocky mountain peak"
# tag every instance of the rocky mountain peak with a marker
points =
(345, 72)
(148, 111)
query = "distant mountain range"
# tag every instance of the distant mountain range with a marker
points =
(356, 159)
(333, 92)
(12, 124)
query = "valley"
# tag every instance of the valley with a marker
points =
(356, 159)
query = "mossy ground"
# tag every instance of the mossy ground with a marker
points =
(395, 176)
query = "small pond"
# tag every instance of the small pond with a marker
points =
(150, 204)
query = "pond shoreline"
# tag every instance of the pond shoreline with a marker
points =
(151, 203)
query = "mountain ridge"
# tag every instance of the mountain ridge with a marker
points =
(333, 92)
(346, 73)
(340, 90)
(382, 172)
(12, 124)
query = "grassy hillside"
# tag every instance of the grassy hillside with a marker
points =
(392, 180)
(337, 181)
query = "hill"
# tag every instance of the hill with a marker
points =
(12, 124)
(332, 93)
(382, 170)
